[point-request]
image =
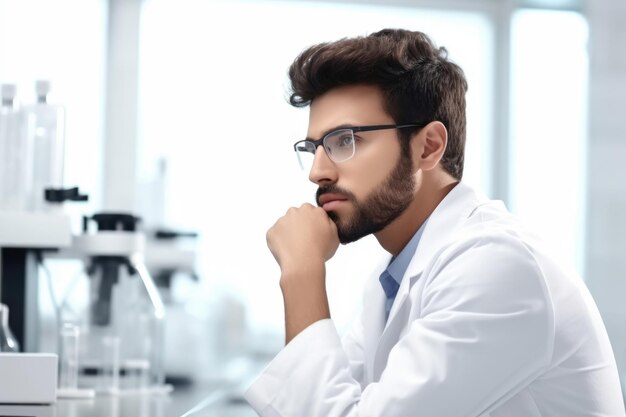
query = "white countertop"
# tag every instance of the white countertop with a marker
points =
(137, 405)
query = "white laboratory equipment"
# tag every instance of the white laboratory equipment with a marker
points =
(43, 125)
(15, 154)
(22, 235)
(122, 325)
(27, 378)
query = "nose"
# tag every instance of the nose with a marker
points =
(323, 171)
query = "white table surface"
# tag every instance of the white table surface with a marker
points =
(137, 405)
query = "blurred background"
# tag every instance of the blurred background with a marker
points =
(176, 111)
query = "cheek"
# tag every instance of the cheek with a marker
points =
(372, 168)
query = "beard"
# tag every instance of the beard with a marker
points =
(382, 206)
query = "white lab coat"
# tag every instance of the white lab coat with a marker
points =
(484, 323)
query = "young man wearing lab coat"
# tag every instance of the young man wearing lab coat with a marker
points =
(471, 316)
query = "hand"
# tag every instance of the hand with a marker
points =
(304, 237)
(301, 242)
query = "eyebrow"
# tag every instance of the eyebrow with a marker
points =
(332, 129)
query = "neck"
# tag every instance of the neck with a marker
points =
(431, 190)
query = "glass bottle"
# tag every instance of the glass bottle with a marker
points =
(44, 131)
(15, 154)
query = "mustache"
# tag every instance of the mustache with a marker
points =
(334, 189)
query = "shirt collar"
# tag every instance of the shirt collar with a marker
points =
(398, 265)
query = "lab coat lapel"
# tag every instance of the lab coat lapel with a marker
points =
(374, 319)
(441, 227)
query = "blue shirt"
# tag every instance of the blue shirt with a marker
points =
(391, 277)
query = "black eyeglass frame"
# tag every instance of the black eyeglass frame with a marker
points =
(354, 129)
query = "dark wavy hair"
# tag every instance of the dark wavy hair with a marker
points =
(418, 82)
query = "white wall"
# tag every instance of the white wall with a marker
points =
(606, 197)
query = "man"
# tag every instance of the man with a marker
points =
(471, 316)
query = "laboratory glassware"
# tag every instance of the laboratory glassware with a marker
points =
(44, 127)
(8, 343)
(15, 154)
(69, 364)
(68, 375)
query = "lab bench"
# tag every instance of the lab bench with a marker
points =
(137, 405)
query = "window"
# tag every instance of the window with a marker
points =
(549, 126)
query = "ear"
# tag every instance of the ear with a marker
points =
(429, 145)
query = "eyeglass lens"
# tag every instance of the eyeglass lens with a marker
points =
(339, 147)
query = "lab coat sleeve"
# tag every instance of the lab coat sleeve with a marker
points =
(485, 331)
(279, 391)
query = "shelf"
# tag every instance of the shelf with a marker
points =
(34, 230)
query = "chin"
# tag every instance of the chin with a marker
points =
(344, 238)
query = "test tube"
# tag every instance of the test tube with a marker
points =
(110, 371)
(68, 376)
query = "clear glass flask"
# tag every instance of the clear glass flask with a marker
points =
(8, 343)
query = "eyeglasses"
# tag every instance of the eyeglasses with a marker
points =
(338, 144)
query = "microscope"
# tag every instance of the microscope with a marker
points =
(122, 325)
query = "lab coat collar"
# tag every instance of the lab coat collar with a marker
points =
(441, 227)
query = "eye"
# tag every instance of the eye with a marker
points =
(345, 139)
